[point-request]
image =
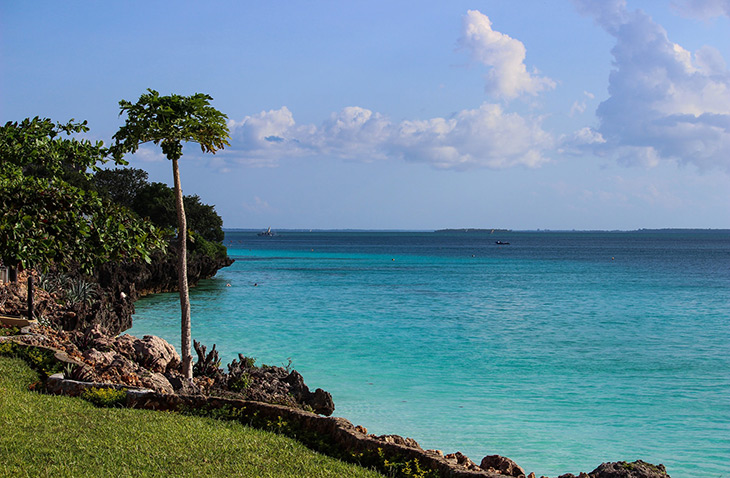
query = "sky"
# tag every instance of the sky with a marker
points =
(582, 114)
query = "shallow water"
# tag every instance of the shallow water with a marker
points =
(560, 350)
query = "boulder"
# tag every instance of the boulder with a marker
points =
(156, 354)
(622, 469)
(501, 465)
(321, 402)
(158, 383)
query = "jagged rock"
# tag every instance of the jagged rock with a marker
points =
(156, 354)
(124, 344)
(182, 385)
(399, 440)
(321, 402)
(361, 429)
(103, 359)
(501, 465)
(622, 469)
(157, 382)
(462, 460)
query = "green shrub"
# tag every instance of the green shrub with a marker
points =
(42, 360)
(106, 397)
(241, 383)
(6, 329)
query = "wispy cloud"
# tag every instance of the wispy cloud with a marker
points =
(703, 9)
(257, 206)
(508, 77)
(665, 102)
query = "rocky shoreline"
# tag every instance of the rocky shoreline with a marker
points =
(149, 368)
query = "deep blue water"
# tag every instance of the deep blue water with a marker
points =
(561, 350)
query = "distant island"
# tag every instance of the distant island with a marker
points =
(472, 230)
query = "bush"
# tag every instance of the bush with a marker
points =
(42, 360)
(106, 397)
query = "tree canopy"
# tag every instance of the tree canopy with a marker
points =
(169, 121)
(156, 201)
(44, 219)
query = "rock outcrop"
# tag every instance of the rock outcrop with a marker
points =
(502, 465)
(623, 469)
(124, 283)
(153, 363)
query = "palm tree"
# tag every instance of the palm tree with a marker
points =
(169, 121)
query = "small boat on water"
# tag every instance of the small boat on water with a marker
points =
(500, 243)
(266, 233)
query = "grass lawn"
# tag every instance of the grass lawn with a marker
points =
(55, 436)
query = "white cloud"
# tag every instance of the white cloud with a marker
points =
(354, 133)
(266, 135)
(703, 9)
(508, 77)
(486, 137)
(579, 142)
(665, 102)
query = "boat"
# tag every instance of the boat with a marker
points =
(267, 233)
(500, 243)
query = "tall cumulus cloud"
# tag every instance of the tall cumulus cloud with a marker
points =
(508, 77)
(665, 102)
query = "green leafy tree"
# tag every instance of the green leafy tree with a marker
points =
(46, 220)
(170, 121)
(121, 185)
(129, 187)
(203, 219)
(157, 202)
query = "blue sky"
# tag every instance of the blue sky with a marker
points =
(581, 114)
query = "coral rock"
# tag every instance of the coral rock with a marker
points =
(636, 469)
(462, 460)
(156, 354)
(502, 465)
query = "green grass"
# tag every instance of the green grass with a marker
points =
(55, 436)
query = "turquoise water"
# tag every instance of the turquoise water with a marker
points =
(560, 350)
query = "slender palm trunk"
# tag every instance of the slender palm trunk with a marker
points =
(182, 276)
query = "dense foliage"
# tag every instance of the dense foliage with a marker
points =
(44, 218)
(169, 121)
(156, 201)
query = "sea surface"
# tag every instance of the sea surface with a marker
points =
(561, 350)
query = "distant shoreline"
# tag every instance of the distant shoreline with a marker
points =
(480, 230)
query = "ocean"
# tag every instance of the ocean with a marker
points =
(560, 350)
